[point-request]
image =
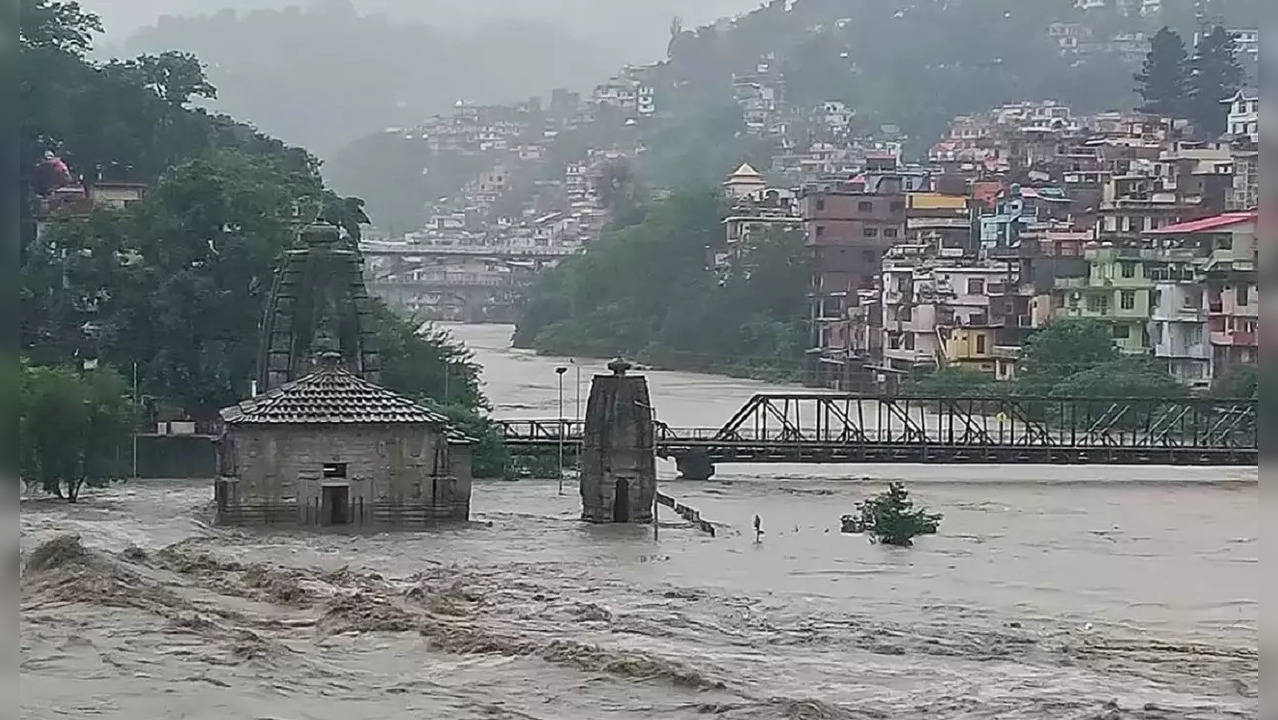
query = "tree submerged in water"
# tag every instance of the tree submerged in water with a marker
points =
(890, 518)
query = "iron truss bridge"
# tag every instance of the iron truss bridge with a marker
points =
(850, 428)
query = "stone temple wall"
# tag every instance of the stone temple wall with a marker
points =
(618, 463)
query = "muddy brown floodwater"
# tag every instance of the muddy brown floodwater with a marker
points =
(1050, 592)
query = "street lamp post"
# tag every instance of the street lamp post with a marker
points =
(560, 372)
(577, 415)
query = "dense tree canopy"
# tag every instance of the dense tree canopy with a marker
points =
(1217, 75)
(177, 282)
(645, 291)
(72, 427)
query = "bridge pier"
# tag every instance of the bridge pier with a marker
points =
(694, 465)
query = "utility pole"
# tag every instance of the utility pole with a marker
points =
(135, 420)
(560, 372)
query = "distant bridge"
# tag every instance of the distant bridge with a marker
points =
(850, 428)
(465, 282)
(407, 251)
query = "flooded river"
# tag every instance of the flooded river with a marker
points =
(1049, 593)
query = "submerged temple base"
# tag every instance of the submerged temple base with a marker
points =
(618, 462)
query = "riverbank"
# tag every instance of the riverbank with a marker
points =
(766, 369)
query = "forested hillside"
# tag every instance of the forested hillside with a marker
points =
(169, 289)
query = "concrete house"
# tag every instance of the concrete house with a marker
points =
(333, 449)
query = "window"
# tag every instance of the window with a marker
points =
(1121, 332)
(905, 313)
(1097, 303)
(870, 232)
(909, 341)
(980, 344)
(1127, 300)
(1128, 269)
(975, 286)
(820, 230)
(889, 232)
(820, 204)
(1224, 242)
(865, 206)
(1241, 295)
(334, 470)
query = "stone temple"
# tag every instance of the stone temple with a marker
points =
(618, 461)
(323, 443)
(318, 302)
(333, 449)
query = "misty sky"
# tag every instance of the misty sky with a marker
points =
(640, 26)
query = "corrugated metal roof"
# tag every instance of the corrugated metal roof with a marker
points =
(334, 395)
(1207, 224)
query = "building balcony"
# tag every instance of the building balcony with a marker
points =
(912, 357)
(1184, 314)
(1182, 351)
(1236, 338)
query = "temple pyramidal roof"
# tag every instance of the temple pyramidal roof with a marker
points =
(331, 394)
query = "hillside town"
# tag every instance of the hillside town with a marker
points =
(1017, 216)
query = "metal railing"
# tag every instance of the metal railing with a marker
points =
(824, 420)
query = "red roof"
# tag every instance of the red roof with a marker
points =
(1208, 224)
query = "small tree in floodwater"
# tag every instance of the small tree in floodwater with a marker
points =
(890, 518)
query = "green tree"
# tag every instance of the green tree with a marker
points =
(1216, 74)
(1163, 80)
(1124, 377)
(890, 518)
(425, 362)
(1063, 348)
(1242, 381)
(175, 77)
(954, 381)
(72, 427)
(59, 26)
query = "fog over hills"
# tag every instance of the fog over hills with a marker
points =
(323, 72)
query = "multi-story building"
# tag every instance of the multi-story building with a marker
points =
(848, 229)
(938, 313)
(1229, 247)
(1178, 327)
(1243, 115)
(1116, 291)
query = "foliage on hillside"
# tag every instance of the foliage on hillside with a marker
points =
(177, 282)
(645, 292)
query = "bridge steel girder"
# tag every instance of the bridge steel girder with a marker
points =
(843, 427)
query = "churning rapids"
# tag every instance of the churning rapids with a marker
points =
(1055, 592)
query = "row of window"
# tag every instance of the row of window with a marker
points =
(1100, 303)
(870, 232)
(866, 206)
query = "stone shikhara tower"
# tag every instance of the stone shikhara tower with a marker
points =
(318, 302)
(618, 461)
